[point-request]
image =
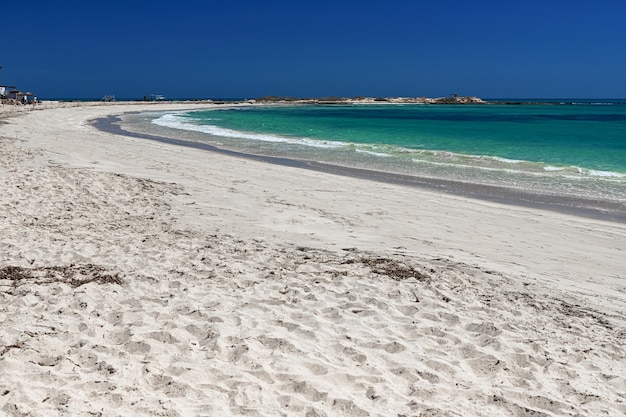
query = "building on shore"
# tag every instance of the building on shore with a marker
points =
(10, 95)
(4, 90)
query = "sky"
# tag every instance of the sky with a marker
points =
(299, 48)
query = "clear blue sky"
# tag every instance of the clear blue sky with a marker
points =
(246, 48)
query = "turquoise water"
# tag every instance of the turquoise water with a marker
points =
(584, 136)
(566, 149)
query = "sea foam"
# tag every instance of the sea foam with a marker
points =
(177, 121)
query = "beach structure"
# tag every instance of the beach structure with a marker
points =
(4, 90)
(9, 94)
(19, 97)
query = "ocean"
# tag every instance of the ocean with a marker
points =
(560, 148)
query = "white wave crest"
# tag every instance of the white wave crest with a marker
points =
(176, 121)
(597, 173)
(383, 155)
(505, 160)
(584, 172)
(553, 168)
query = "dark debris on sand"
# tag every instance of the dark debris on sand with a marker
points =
(392, 268)
(73, 275)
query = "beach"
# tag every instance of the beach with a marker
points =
(142, 278)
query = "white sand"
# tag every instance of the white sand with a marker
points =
(224, 287)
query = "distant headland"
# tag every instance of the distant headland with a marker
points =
(452, 99)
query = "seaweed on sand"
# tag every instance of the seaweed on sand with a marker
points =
(392, 268)
(73, 275)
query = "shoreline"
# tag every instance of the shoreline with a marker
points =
(138, 278)
(596, 209)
